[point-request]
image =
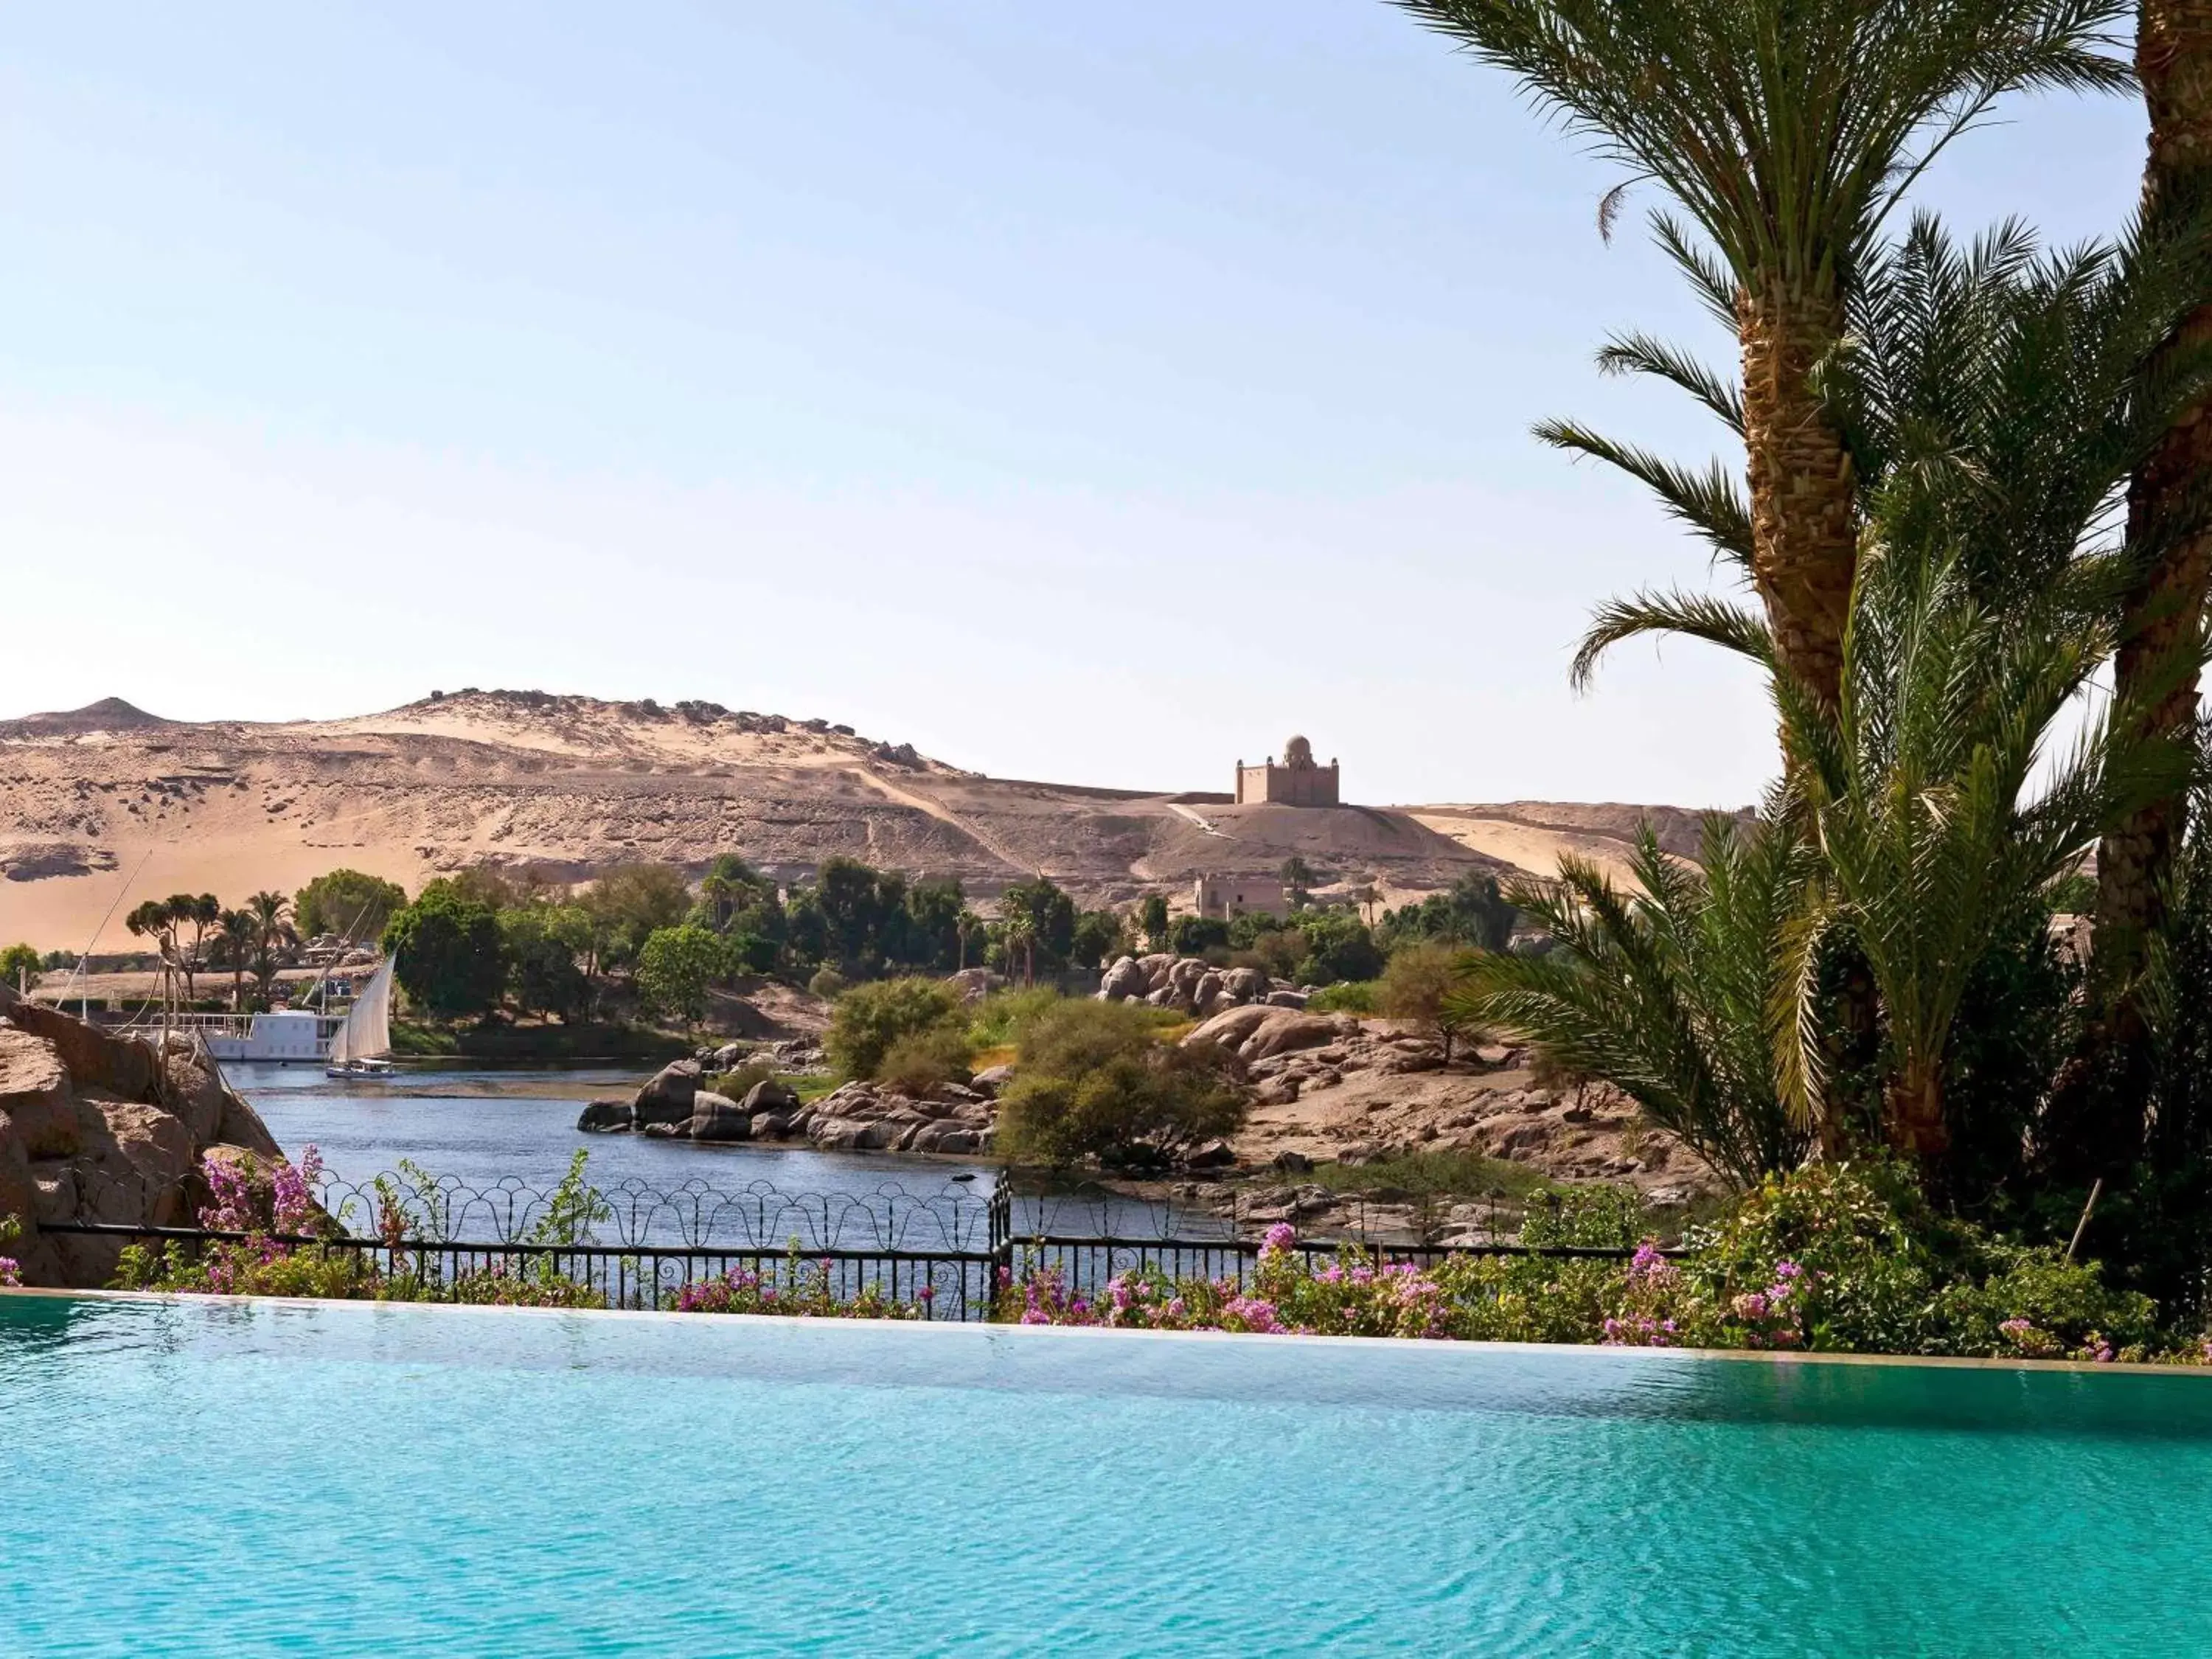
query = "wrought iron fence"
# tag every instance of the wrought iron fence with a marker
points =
(939, 1253)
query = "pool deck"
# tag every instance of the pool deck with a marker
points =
(1099, 1332)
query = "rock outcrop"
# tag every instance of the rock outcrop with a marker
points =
(1191, 985)
(99, 1127)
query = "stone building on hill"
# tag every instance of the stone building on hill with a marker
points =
(1296, 782)
(1224, 897)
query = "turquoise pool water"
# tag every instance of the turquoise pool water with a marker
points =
(215, 1479)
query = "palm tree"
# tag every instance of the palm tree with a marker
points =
(199, 913)
(235, 931)
(156, 919)
(1785, 131)
(1998, 400)
(1931, 829)
(2169, 520)
(1666, 994)
(273, 938)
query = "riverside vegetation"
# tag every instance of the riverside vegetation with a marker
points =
(1836, 1259)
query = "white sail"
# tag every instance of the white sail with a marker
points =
(366, 1033)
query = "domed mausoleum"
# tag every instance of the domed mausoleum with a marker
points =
(1296, 782)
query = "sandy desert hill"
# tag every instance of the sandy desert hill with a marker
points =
(108, 797)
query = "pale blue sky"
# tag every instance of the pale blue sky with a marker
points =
(1095, 394)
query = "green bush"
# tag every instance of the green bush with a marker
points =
(1093, 1080)
(1355, 996)
(869, 1018)
(1001, 1017)
(828, 984)
(919, 1061)
(1602, 1217)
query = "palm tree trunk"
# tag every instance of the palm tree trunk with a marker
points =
(1804, 544)
(1915, 1112)
(2165, 612)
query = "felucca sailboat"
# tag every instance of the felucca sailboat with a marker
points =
(359, 1047)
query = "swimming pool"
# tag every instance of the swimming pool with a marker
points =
(280, 1478)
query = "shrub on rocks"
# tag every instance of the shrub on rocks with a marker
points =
(921, 1061)
(1093, 1080)
(870, 1018)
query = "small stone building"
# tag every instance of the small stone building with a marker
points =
(1296, 782)
(1223, 896)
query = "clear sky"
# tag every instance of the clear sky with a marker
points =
(1096, 393)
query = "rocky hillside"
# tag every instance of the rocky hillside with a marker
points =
(95, 1127)
(109, 795)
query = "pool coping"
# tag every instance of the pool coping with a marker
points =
(1739, 1356)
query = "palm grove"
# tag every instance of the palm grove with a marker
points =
(1966, 501)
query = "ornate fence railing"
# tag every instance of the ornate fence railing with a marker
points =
(941, 1253)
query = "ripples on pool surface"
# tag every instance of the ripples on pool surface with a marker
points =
(215, 1479)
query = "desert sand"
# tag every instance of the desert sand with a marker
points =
(103, 806)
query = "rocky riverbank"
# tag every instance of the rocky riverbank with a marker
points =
(1324, 1088)
(675, 1103)
(97, 1127)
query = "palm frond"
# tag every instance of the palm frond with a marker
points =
(1693, 616)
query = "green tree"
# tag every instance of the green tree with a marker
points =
(274, 940)
(19, 967)
(199, 912)
(730, 886)
(1785, 131)
(1152, 918)
(1039, 921)
(1475, 912)
(676, 967)
(1997, 401)
(542, 944)
(236, 933)
(628, 903)
(1935, 829)
(1098, 938)
(348, 903)
(931, 935)
(1422, 984)
(1297, 881)
(1338, 947)
(869, 1018)
(453, 959)
(2170, 520)
(156, 919)
(1191, 936)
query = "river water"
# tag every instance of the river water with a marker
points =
(494, 1137)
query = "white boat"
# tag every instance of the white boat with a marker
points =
(360, 1045)
(279, 1036)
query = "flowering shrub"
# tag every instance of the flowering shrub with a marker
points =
(1843, 1259)
(1663, 1305)
(1351, 1296)
(794, 1290)
(244, 1200)
(11, 1271)
(276, 1207)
